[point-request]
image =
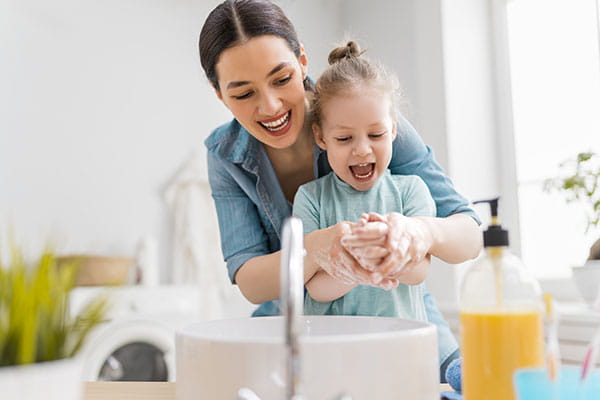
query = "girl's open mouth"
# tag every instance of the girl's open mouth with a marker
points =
(278, 125)
(363, 172)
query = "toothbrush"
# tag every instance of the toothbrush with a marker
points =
(590, 356)
(553, 349)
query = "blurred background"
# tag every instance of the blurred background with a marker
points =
(104, 104)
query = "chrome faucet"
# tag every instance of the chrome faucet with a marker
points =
(292, 307)
(291, 281)
(292, 300)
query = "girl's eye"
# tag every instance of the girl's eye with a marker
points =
(283, 81)
(343, 139)
(376, 135)
(243, 96)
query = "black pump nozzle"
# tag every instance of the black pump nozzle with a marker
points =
(493, 205)
(494, 235)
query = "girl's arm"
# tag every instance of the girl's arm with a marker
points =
(322, 287)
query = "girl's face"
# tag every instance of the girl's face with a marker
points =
(357, 131)
(261, 83)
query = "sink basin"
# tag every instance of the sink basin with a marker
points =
(364, 357)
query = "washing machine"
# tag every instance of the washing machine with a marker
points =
(137, 341)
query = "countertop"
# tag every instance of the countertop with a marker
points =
(141, 390)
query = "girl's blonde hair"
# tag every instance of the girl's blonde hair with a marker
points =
(348, 70)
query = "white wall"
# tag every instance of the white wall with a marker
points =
(102, 102)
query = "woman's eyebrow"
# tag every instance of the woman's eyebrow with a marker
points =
(279, 67)
(234, 84)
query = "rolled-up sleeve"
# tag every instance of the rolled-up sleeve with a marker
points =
(242, 234)
(411, 156)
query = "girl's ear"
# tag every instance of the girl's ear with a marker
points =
(394, 130)
(318, 136)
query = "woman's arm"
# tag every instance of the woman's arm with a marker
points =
(411, 156)
(453, 235)
(258, 278)
(455, 239)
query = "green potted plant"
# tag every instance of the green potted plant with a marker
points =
(580, 182)
(39, 339)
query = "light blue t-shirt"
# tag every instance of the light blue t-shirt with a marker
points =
(328, 200)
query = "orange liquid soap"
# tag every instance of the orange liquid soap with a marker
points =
(493, 346)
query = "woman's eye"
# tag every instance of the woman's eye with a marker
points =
(283, 81)
(243, 96)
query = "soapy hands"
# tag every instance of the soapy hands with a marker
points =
(338, 262)
(388, 248)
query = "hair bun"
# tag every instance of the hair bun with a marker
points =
(351, 49)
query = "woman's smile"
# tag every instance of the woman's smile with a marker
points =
(278, 125)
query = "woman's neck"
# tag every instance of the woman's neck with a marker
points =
(293, 165)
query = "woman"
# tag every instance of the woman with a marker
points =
(252, 57)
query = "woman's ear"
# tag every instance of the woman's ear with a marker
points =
(217, 92)
(303, 59)
(318, 136)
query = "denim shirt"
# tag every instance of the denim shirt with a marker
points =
(251, 205)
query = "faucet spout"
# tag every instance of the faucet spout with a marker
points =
(292, 299)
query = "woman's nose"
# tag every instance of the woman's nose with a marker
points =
(269, 105)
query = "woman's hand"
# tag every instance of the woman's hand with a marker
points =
(409, 241)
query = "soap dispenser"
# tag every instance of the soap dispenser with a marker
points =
(500, 318)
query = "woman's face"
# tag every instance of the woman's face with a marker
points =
(357, 131)
(261, 82)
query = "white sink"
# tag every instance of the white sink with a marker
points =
(364, 357)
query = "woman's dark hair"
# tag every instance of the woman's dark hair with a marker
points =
(234, 22)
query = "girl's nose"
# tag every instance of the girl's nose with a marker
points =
(269, 105)
(361, 148)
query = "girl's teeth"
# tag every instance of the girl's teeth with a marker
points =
(278, 124)
(363, 171)
(364, 176)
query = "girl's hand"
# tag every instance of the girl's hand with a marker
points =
(367, 241)
(340, 264)
(391, 245)
(367, 244)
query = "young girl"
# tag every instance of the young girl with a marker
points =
(354, 122)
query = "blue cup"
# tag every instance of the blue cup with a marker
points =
(534, 384)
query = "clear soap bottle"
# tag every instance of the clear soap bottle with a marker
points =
(501, 323)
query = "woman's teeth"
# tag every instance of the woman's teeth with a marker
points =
(278, 124)
(363, 171)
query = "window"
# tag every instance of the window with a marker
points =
(553, 48)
